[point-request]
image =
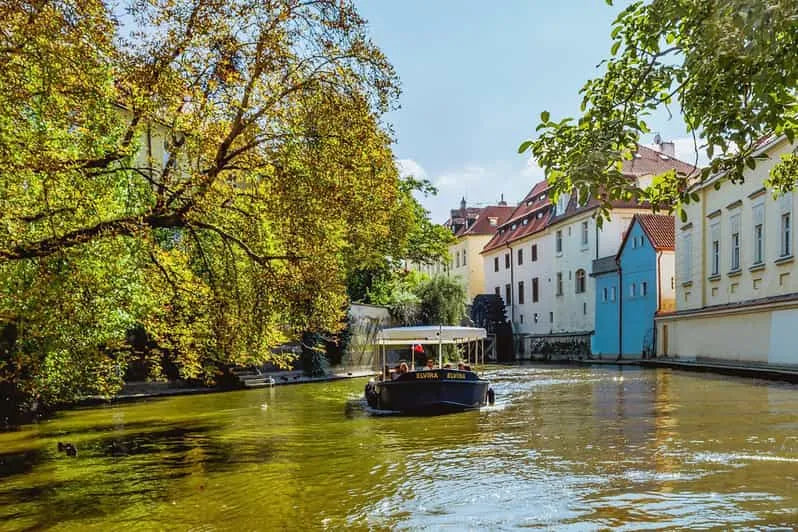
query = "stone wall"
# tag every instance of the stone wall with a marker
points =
(365, 322)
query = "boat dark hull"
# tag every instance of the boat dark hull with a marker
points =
(429, 392)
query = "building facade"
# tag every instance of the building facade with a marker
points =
(540, 260)
(473, 227)
(632, 286)
(736, 277)
(472, 233)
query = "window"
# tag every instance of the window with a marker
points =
(551, 317)
(535, 290)
(584, 308)
(580, 281)
(584, 233)
(498, 291)
(558, 242)
(759, 233)
(786, 239)
(457, 259)
(520, 292)
(522, 318)
(735, 242)
(506, 260)
(644, 288)
(634, 242)
(508, 291)
(687, 257)
(562, 204)
(520, 256)
(536, 317)
(559, 283)
(604, 294)
(495, 264)
(632, 290)
(612, 293)
(464, 257)
(714, 258)
(534, 252)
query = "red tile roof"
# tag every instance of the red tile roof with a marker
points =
(529, 217)
(660, 230)
(646, 162)
(482, 225)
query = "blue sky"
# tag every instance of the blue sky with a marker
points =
(476, 75)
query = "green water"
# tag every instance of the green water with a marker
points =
(571, 448)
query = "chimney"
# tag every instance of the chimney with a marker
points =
(502, 203)
(665, 148)
(668, 148)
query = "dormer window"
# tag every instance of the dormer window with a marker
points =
(493, 221)
(514, 226)
(542, 197)
(562, 204)
(526, 221)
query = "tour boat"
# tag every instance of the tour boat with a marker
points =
(430, 391)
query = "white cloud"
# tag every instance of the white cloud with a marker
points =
(409, 167)
(480, 184)
(533, 170)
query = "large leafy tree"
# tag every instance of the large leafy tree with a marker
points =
(729, 67)
(207, 170)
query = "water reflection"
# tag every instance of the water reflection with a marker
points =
(571, 447)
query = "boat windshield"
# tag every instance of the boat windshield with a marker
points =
(419, 339)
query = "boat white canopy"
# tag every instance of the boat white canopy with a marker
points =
(430, 334)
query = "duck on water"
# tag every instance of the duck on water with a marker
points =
(429, 390)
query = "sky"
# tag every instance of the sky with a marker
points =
(475, 77)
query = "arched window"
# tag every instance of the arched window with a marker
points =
(580, 281)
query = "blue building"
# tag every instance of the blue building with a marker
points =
(604, 342)
(633, 286)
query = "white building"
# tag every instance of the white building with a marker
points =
(736, 278)
(540, 260)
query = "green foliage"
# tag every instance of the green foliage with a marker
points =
(415, 239)
(728, 66)
(397, 291)
(443, 300)
(210, 172)
(413, 298)
(313, 359)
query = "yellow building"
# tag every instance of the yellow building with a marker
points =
(473, 227)
(736, 277)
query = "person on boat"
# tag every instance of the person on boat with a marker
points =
(403, 368)
(430, 363)
(460, 366)
(447, 366)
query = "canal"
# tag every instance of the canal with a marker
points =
(576, 448)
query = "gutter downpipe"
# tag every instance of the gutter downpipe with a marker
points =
(659, 298)
(620, 308)
(512, 283)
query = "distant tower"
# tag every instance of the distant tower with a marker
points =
(502, 202)
(463, 204)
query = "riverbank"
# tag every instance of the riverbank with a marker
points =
(730, 368)
(145, 390)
